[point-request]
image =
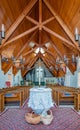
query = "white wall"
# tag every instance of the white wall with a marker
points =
(70, 79)
(2, 76)
(2, 79)
(9, 76)
(17, 78)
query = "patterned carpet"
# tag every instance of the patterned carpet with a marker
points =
(64, 119)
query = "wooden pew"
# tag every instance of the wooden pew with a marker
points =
(77, 101)
(20, 93)
(62, 94)
(16, 95)
(1, 101)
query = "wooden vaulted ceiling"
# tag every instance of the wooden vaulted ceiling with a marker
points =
(46, 24)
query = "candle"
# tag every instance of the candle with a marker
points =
(76, 34)
(3, 28)
(2, 31)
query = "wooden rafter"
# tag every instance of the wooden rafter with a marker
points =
(31, 63)
(50, 60)
(19, 19)
(53, 45)
(40, 14)
(37, 23)
(49, 52)
(21, 50)
(62, 24)
(32, 20)
(58, 36)
(48, 20)
(32, 50)
(49, 57)
(21, 35)
(27, 43)
(47, 65)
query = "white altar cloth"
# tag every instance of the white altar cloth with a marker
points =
(40, 99)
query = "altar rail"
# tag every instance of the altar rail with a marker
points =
(63, 93)
(21, 93)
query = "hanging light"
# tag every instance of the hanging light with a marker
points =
(4, 59)
(2, 33)
(18, 62)
(77, 36)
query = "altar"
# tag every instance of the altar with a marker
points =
(40, 99)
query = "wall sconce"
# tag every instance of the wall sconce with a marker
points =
(2, 33)
(77, 36)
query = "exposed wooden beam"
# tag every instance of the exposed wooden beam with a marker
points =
(21, 51)
(19, 19)
(21, 35)
(48, 20)
(40, 21)
(32, 20)
(40, 14)
(51, 58)
(61, 22)
(40, 38)
(47, 65)
(53, 45)
(32, 50)
(58, 36)
(31, 63)
(49, 52)
(23, 48)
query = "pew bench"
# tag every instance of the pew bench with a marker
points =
(66, 97)
(77, 101)
(14, 96)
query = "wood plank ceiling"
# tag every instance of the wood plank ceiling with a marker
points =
(40, 24)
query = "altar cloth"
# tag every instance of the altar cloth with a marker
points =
(40, 99)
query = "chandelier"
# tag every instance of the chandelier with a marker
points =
(17, 62)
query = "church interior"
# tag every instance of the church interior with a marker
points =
(39, 65)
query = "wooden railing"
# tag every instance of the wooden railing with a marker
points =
(21, 93)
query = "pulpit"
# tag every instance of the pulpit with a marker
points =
(40, 99)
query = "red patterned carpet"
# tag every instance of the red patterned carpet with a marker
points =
(64, 119)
